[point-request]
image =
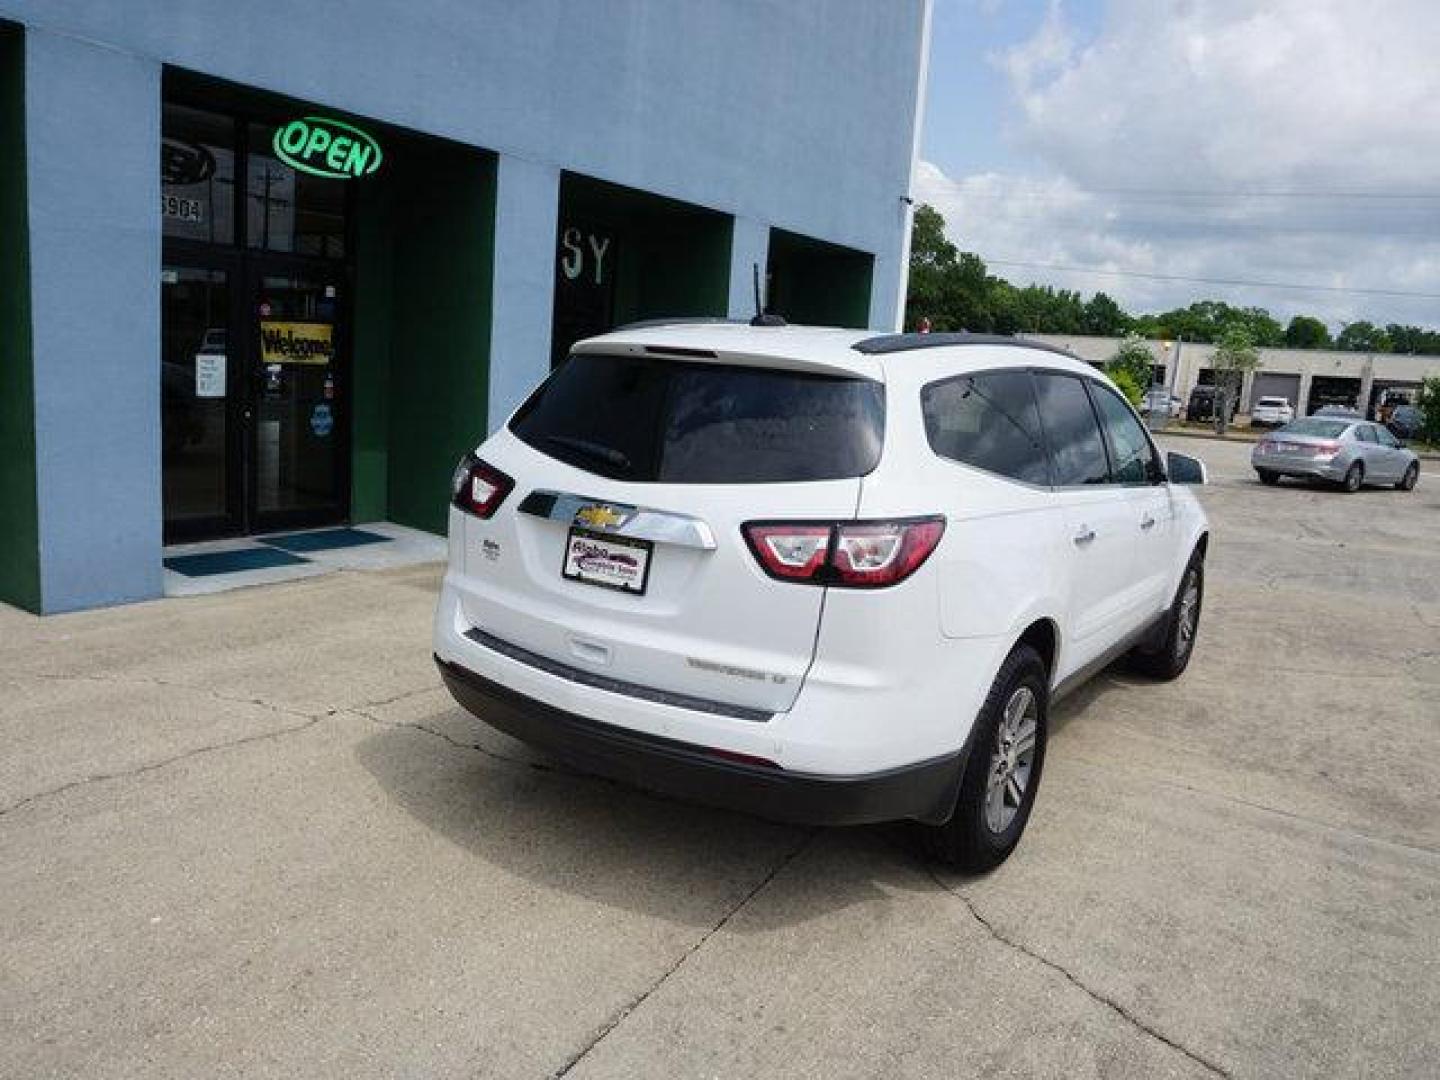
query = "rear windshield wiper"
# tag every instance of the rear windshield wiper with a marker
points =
(616, 459)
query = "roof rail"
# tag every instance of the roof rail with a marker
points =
(894, 343)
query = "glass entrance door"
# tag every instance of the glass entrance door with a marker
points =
(298, 442)
(254, 320)
(198, 404)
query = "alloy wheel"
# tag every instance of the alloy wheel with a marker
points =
(1189, 615)
(1013, 759)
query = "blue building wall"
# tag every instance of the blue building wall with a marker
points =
(797, 114)
(92, 127)
(787, 114)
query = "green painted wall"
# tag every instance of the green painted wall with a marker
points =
(422, 345)
(675, 264)
(370, 379)
(19, 525)
(818, 284)
(670, 258)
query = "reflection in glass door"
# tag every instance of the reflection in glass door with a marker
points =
(195, 396)
(297, 448)
(254, 329)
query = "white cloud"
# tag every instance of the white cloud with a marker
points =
(1134, 131)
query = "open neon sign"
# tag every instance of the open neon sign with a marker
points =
(324, 147)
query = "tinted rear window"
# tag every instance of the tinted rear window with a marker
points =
(988, 421)
(650, 419)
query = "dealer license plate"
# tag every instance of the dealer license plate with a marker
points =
(614, 562)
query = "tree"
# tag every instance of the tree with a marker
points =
(1260, 325)
(1362, 336)
(955, 291)
(1412, 339)
(932, 262)
(1307, 332)
(1104, 317)
(1428, 401)
(1130, 367)
(1234, 355)
(929, 246)
(1125, 381)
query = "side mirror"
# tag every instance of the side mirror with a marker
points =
(1184, 469)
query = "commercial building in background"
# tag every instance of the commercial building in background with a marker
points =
(273, 266)
(1307, 378)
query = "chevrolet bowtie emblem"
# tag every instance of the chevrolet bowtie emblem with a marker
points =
(600, 517)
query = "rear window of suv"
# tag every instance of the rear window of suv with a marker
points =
(657, 420)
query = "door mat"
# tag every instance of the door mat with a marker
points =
(209, 563)
(324, 540)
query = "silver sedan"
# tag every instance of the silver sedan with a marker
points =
(1347, 452)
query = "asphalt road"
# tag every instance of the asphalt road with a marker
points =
(248, 835)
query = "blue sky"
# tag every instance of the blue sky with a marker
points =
(1277, 153)
(969, 101)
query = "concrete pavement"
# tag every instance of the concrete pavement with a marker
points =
(248, 835)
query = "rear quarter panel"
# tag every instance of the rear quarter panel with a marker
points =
(999, 566)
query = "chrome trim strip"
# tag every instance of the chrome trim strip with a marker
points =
(614, 686)
(638, 522)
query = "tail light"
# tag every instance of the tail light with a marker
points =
(1327, 449)
(478, 487)
(848, 554)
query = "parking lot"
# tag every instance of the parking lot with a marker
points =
(249, 834)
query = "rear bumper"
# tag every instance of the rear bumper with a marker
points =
(924, 791)
(1292, 465)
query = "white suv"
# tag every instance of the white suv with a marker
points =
(813, 574)
(1271, 412)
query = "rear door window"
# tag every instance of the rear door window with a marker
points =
(650, 419)
(1077, 451)
(989, 421)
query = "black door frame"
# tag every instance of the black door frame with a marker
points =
(244, 267)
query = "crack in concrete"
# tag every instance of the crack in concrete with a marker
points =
(307, 720)
(426, 689)
(495, 755)
(146, 680)
(417, 725)
(629, 1008)
(1101, 999)
(151, 766)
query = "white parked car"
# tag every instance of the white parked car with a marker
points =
(1271, 412)
(814, 574)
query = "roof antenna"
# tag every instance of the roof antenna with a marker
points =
(761, 318)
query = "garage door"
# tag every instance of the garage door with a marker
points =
(1332, 390)
(1273, 384)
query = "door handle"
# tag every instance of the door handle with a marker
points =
(1084, 536)
(1147, 522)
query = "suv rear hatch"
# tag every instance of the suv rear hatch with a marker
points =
(619, 554)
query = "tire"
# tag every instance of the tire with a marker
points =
(1171, 657)
(988, 821)
(1354, 478)
(1411, 477)
(1267, 477)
